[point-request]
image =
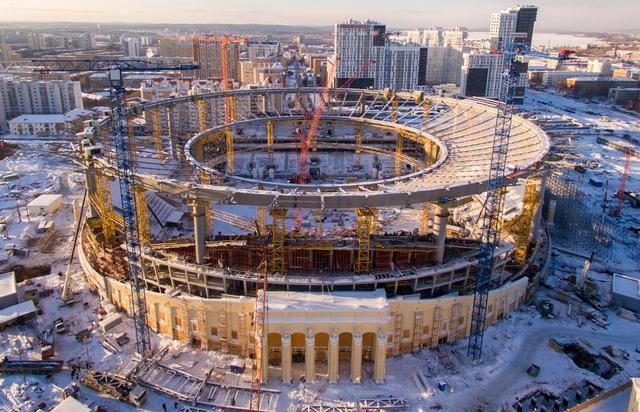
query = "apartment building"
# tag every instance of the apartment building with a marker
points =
(20, 96)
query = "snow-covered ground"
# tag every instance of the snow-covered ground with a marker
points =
(510, 346)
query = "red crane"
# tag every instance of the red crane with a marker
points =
(623, 182)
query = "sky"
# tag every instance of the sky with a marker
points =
(569, 15)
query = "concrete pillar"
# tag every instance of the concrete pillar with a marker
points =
(285, 360)
(199, 231)
(441, 216)
(356, 358)
(333, 357)
(380, 360)
(310, 356)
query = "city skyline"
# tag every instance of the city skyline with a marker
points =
(554, 15)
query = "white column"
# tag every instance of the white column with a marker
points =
(199, 231)
(356, 358)
(441, 216)
(310, 356)
(333, 357)
(380, 361)
(285, 360)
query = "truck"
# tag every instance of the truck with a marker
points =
(115, 386)
(58, 325)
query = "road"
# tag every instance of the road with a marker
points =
(500, 387)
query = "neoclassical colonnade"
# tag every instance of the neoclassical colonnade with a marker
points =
(339, 329)
(323, 353)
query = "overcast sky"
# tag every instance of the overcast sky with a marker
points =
(583, 15)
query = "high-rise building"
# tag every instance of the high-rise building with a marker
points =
(396, 66)
(85, 41)
(481, 71)
(176, 46)
(25, 96)
(259, 49)
(513, 25)
(443, 65)
(353, 44)
(481, 75)
(131, 46)
(207, 51)
(438, 37)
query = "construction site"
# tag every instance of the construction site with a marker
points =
(339, 290)
(321, 249)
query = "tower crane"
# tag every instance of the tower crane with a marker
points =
(513, 54)
(122, 142)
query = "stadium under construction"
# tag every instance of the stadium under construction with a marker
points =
(342, 292)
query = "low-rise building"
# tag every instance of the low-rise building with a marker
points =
(625, 292)
(8, 290)
(626, 96)
(38, 125)
(45, 204)
(597, 86)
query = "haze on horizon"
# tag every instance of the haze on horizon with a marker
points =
(567, 15)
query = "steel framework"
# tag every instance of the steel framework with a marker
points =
(278, 231)
(364, 226)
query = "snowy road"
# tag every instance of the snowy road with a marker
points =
(500, 388)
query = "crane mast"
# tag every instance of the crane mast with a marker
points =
(512, 54)
(125, 168)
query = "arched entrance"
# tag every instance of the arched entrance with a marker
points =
(345, 342)
(297, 355)
(274, 342)
(368, 354)
(322, 354)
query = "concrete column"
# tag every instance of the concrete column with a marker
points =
(285, 352)
(333, 357)
(356, 358)
(199, 231)
(441, 216)
(310, 356)
(380, 360)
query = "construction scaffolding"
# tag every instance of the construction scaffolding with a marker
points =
(156, 130)
(228, 134)
(572, 223)
(202, 115)
(364, 225)
(278, 231)
(103, 203)
(530, 204)
(143, 216)
(397, 165)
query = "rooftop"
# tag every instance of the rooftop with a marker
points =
(40, 118)
(626, 286)
(335, 301)
(7, 284)
(44, 200)
(16, 311)
(71, 404)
